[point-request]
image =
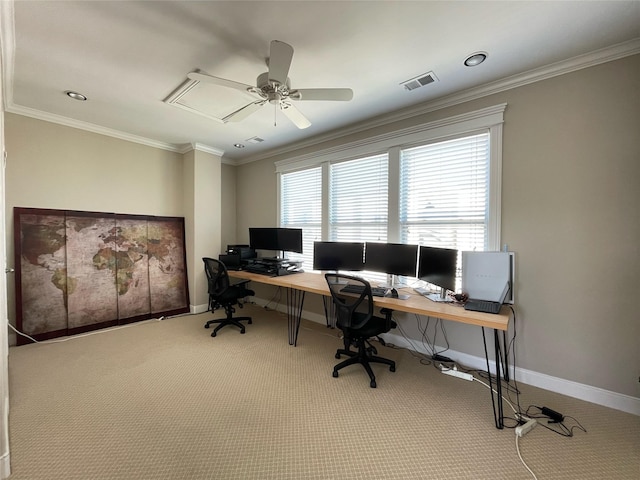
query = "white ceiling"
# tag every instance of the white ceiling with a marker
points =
(127, 57)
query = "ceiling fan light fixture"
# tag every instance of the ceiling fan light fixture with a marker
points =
(75, 95)
(475, 59)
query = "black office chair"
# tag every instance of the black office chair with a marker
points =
(354, 316)
(224, 295)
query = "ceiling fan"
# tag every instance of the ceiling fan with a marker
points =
(274, 87)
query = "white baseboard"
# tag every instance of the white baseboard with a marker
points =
(569, 388)
(5, 466)
(195, 309)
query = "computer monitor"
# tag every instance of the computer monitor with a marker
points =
(290, 239)
(437, 266)
(279, 239)
(391, 258)
(263, 238)
(338, 256)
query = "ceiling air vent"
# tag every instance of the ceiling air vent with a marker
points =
(420, 81)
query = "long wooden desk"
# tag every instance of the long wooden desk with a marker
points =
(298, 284)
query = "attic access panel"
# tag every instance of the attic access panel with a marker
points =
(211, 101)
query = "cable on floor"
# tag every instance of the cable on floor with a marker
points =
(522, 460)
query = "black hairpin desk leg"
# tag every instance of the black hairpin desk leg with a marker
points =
(329, 311)
(295, 301)
(505, 360)
(496, 401)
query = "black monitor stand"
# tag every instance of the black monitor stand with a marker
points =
(277, 259)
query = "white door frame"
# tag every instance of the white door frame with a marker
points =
(5, 464)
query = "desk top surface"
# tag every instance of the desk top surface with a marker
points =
(417, 304)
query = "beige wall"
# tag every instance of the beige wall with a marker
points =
(202, 186)
(58, 167)
(228, 214)
(570, 196)
(256, 197)
(53, 166)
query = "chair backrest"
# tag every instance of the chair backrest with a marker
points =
(217, 276)
(353, 310)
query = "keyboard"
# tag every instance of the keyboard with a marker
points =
(376, 291)
(483, 306)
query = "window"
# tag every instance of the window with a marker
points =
(358, 200)
(301, 207)
(444, 188)
(435, 184)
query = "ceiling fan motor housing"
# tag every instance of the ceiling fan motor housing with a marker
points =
(266, 85)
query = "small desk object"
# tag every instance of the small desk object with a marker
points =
(298, 284)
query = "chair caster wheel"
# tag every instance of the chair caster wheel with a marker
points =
(373, 384)
(335, 374)
(241, 332)
(249, 322)
(206, 325)
(337, 355)
(392, 369)
(213, 334)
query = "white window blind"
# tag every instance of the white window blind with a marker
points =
(301, 207)
(358, 198)
(444, 193)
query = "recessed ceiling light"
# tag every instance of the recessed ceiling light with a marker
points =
(238, 145)
(475, 59)
(75, 95)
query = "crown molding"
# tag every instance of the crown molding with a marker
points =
(90, 127)
(597, 57)
(200, 147)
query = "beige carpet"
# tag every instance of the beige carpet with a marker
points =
(164, 400)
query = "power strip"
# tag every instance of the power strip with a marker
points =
(522, 430)
(455, 373)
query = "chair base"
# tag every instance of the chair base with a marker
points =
(228, 321)
(364, 358)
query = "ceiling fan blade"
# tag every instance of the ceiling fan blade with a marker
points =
(243, 112)
(339, 94)
(293, 114)
(200, 77)
(280, 56)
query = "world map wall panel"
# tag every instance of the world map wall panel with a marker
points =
(78, 271)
